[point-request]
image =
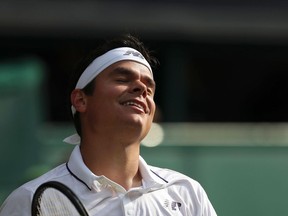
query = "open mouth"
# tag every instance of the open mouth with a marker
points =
(135, 104)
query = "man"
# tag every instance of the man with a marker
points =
(113, 108)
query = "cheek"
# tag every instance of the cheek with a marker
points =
(107, 93)
(152, 107)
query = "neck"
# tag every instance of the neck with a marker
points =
(116, 161)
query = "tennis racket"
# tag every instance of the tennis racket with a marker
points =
(55, 199)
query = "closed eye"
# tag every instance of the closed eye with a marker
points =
(122, 80)
(150, 91)
(122, 75)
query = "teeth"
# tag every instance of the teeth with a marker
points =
(133, 104)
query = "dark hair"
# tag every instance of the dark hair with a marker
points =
(126, 40)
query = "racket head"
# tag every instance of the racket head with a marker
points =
(56, 199)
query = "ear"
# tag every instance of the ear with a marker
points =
(78, 100)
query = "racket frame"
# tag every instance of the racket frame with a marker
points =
(66, 191)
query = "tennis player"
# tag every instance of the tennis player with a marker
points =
(113, 108)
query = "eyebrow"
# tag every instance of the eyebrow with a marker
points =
(127, 72)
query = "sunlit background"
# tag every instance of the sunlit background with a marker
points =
(222, 89)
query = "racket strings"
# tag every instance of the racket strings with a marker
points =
(54, 203)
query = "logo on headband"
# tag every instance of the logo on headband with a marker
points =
(134, 53)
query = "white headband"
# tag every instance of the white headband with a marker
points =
(98, 65)
(107, 59)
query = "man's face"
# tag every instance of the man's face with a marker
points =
(123, 95)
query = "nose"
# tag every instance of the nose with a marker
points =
(140, 88)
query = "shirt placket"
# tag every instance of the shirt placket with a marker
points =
(128, 205)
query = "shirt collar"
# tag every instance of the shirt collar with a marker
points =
(80, 171)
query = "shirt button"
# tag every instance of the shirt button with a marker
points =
(130, 212)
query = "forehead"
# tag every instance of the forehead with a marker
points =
(128, 67)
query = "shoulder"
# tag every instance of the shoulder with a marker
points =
(171, 175)
(186, 191)
(57, 173)
(180, 184)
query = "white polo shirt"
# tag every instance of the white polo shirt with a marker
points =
(163, 192)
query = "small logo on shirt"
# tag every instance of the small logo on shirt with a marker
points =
(172, 204)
